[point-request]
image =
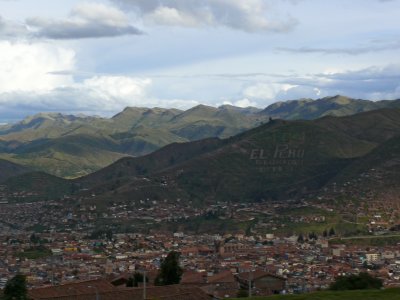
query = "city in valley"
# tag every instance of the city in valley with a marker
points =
(297, 245)
(199, 150)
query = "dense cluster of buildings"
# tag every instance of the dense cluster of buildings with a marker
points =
(67, 246)
(220, 265)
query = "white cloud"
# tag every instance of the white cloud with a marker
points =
(30, 83)
(242, 103)
(175, 103)
(373, 83)
(115, 92)
(79, 98)
(100, 94)
(245, 103)
(375, 46)
(249, 15)
(26, 67)
(86, 20)
(264, 90)
(171, 16)
(261, 91)
(302, 91)
(10, 29)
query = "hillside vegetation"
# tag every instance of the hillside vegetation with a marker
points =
(72, 146)
(9, 169)
(275, 161)
(388, 294)
(278, 160)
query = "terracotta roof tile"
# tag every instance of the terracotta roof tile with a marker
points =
(82, 287)
(222, 277)
(177, 292)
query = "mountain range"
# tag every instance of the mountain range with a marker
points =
(73, 146)
(9, 169)
(278, 160)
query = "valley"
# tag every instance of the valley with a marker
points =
(291, 196)
(199, 150)
(318, 164)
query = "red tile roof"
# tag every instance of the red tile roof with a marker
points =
(71, 289)
(176, 292)
(256, 275)
(191, 277)
(222, 277)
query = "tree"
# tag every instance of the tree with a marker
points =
(134, 280)
(312, 236)
(130, 282)
(16, 288)
(34, 239)
(170, 271)
(365, 264)
(300, 239)
(325, 233)
(361, 281)
(332, 232)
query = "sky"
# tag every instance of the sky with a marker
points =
(97, 57)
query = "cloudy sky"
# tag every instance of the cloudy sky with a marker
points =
(99, 56)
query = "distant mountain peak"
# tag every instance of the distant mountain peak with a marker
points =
(203, 106)
(144, 110)
(53, 116)
(337, 105)
(249, 110)
(230, 106)
(339, 99)
(199, 109)
(73, 145)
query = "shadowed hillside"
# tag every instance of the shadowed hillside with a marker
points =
(9, 169)
(278, 160)
(73, 146)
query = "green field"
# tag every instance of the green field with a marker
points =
(378, 241)
(388, 294)
(35, 253)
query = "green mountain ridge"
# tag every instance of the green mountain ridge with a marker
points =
(9, 169)
(379, 169)
(329, 106)
(40, 185)
(72, 146)
(276, 161)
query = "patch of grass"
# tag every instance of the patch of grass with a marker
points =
(35, 253)
(388, 294)
(376, 241)
(209, 224)
(332, 220)
(306, 211)
(38, 228)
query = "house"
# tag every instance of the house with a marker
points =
(222, 285)
(372, 256)
(262, 283)
(193, 278)
(71, 290)
(101, 289)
